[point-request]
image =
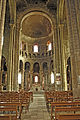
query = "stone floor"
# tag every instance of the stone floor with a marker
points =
(37, 109)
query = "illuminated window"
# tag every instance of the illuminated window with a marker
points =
(35, 48)
(49, 45)
(52, 77)
(19, 78)
(36, 79)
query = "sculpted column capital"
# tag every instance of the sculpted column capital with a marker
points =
(61, 25)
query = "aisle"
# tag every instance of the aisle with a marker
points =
(37, 109)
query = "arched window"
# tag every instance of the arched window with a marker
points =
(49, 44)
(45, 67)
(52, 78)
(36, 67)
(36, 79)
(20, 65)
(27, 66)
(19, 78)
(36, 48)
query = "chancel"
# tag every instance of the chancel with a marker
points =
(39, 59)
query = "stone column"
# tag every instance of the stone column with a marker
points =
(56, 45)
(2, 20)
(41, 74)
(22, 78)
(10, 60)
(49, 74)
(0, 8)
(56, 54)
(74, 41)
(31, 74)
(25, 87)
(16, 63)
(62, 56)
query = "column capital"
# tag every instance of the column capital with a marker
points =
(61, 25)
(12, 25)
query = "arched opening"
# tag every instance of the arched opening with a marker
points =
(27, 76)
(20, 65)
(4, 72)
(49, 46)
(69, 77)
(36, 30)
(45, 67)
(36, 68)
(27, 66)
(36, 48)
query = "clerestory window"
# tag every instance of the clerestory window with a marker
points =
(35, 48)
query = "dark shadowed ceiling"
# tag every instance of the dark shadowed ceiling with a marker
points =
(22, 4)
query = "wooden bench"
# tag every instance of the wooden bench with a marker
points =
(22, 97)
(69, 117)
(58, 96)
(64, 106)
(6, 110)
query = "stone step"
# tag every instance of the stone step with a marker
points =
(37, 109)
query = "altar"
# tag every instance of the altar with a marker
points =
(36, 87)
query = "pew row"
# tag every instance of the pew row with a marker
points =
(64, 108)
(57, 96)
(69, 117)
(9, 111)
(21, 99)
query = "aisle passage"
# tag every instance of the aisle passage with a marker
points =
(37, 109)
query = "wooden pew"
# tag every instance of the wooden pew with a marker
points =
(22, 97)
(66, 109)
(8, 108)
(64, 106)
(57, 96)
(69, 117)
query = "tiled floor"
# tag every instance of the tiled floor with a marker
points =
(37, 109)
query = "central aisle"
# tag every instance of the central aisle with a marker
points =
(37, 109)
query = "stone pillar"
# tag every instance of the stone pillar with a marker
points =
(0, 8)
(62, 56)
(49, 74)
(25, 87)
(31, 74)
(41, 74)
(22, 78)
(56, 45)
(10, 60)
(56, 54)
(74, 41)
(2, 20)
(16, 63)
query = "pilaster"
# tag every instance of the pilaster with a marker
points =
(73, 35)
(2, 19)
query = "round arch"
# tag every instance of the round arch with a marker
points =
(36, 67)
(27, 66)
